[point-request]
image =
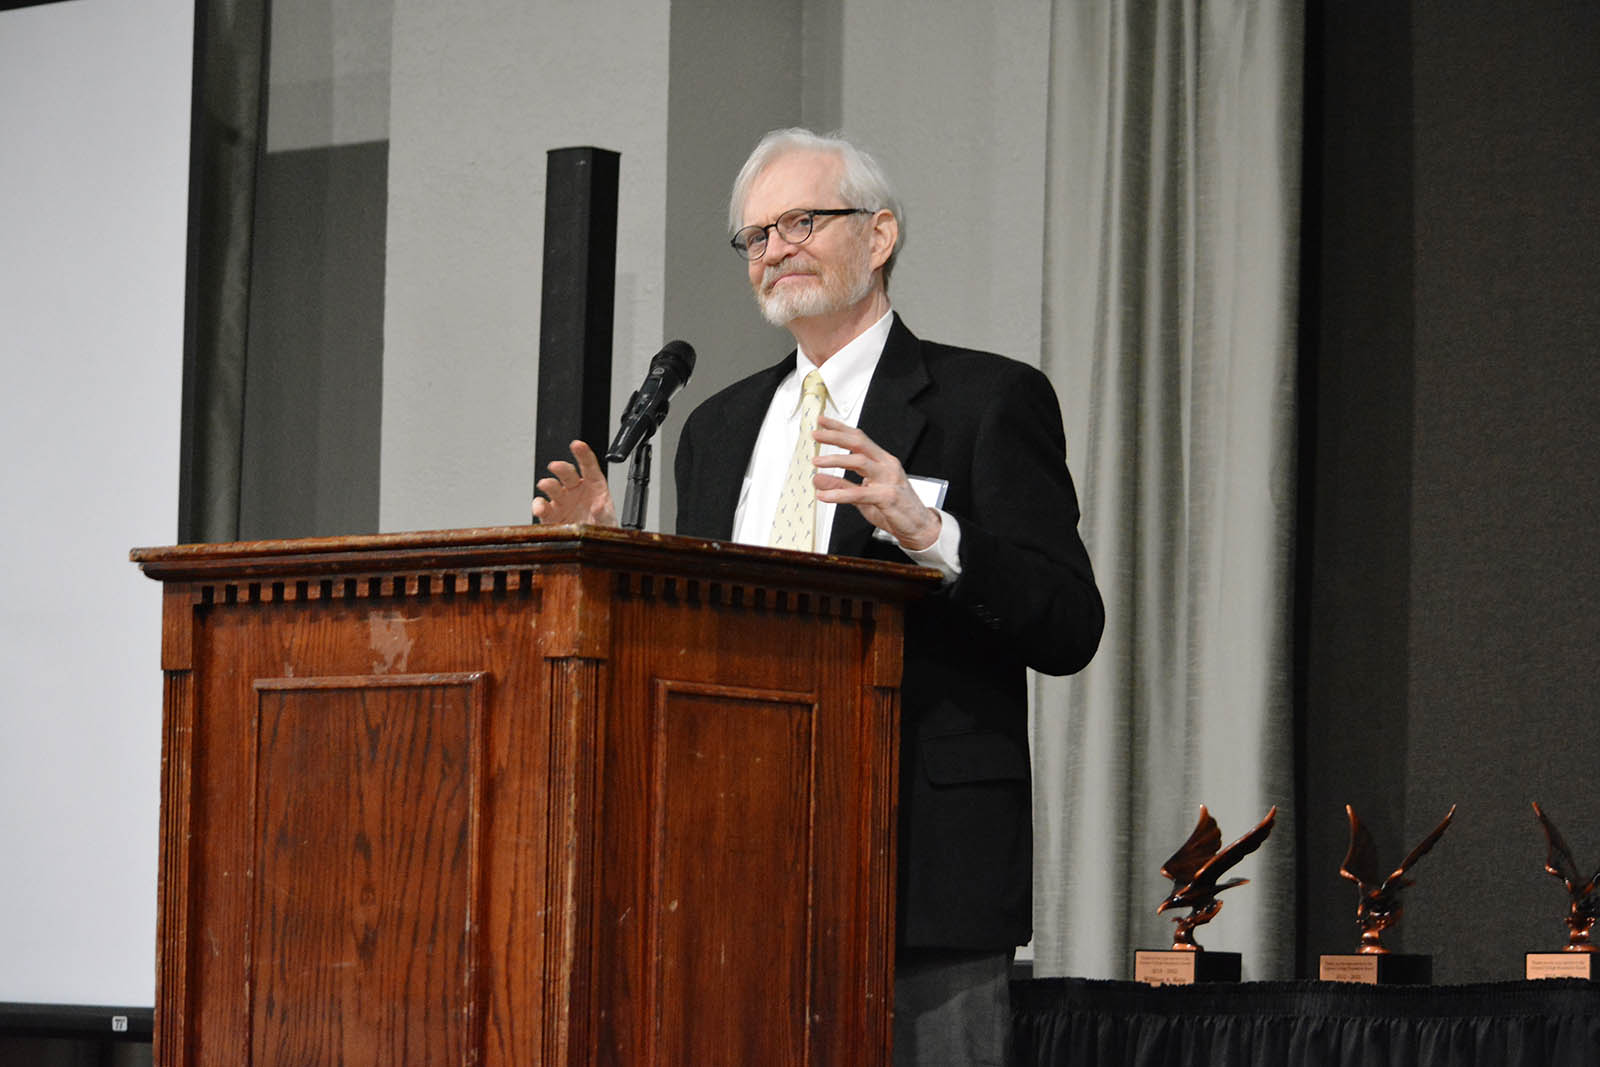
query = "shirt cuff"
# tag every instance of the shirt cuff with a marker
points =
(945, 553)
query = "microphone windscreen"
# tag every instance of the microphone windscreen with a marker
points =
(680, 356)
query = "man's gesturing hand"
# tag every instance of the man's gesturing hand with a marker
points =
(575, 494)
(884, 497)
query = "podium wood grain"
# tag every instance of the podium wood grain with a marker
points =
(526, 795)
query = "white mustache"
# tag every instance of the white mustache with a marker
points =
(772, 274)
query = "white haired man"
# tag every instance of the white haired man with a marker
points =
(819, 227)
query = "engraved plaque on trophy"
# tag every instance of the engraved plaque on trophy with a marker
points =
(1194, 870)
(1577, 959)
(1379, 909)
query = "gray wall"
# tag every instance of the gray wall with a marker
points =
(955, 105)
(314, 367)
(951, 98)
(479, 95)
(736, 72)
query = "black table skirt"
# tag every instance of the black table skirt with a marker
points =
(1305, 1024)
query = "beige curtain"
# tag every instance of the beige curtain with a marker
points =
(1170, 280)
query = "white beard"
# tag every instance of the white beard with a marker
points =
(840, 289)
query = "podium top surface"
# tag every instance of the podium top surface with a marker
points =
(532, 545)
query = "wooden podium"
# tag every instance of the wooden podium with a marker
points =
(531, 795)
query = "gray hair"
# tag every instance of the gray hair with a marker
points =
(861, 184)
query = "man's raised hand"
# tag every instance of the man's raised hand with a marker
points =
(884, 497)
(575, 495)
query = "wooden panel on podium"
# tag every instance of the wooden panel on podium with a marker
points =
(526, 796)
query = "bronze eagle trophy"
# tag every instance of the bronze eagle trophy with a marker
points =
(1583, 893)
(1379, 907)
(1195, 869)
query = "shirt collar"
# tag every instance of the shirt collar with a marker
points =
(848, 372)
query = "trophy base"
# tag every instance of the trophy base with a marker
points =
(1585, 965)
(1384, 969)
(1166, 967)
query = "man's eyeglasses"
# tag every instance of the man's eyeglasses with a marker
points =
(793, 226)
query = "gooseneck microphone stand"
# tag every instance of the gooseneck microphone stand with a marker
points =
(633, 507)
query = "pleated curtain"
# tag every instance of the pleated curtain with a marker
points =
(1170, 282)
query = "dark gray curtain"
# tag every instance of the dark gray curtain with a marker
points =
(230, 61)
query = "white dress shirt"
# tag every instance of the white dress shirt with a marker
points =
(847, 373)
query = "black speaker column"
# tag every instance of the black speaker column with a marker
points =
(580, 280)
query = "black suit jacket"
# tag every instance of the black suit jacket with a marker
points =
(1026, 597)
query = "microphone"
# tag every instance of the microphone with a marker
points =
(669, 370)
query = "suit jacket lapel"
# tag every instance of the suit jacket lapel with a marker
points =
(727, 454)
(888, 417)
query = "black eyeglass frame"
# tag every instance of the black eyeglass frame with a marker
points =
(751, 250)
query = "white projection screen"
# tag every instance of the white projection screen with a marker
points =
(94, 133)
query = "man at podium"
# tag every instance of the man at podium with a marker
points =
(867, 441)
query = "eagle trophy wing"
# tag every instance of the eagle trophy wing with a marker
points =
(1558, 860)
(1421, 850)
(1361, 859)
(1194, 853)
(1219, 864)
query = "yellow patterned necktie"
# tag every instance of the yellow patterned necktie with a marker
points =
(794, 525)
